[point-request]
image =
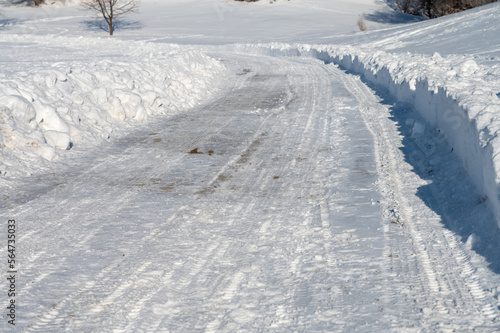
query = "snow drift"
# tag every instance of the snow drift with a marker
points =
(49, 107)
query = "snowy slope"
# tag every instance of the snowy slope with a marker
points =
(208, 21)
(341, 181)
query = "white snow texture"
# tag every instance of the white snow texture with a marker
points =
(450, 93)
(228, 166)
(53, 107)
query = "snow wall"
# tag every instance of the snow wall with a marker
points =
(454, 95)
(50, 107)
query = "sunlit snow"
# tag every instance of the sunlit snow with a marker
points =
(224, 166)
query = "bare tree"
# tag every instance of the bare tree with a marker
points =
(405, 6)
(111, 9)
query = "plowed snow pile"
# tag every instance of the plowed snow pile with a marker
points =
(72, 100)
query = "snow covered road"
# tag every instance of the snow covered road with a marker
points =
(283, 205)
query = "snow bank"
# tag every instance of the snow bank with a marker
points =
(49, 107)
(454, 94)
(451, 94)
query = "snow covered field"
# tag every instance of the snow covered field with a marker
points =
(226, 166)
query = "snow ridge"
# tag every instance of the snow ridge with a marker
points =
(57, 105)
(450, 93)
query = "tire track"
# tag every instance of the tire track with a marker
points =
(274, 231)
(455, 293)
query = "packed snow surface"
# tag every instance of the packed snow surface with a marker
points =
(224, 166)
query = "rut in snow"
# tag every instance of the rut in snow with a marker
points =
(296, 211)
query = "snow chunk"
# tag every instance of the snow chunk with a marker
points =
(56, 139)
(468, 67)
(132, 104)
(19, 107)
(48, 118)
(472, 241)
(46, 152)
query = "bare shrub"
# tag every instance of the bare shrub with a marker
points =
(361, 22)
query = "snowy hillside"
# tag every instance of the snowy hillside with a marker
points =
(231, 166)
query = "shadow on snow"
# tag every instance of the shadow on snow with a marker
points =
(392, 17)
(450, 191)
(6, 24)
(101, 25)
